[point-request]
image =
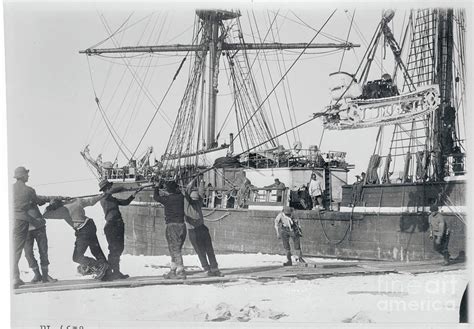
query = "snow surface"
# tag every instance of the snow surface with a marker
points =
(394, 298)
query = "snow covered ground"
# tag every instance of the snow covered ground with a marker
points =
(394, 298)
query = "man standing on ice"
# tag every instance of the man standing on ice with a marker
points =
(439, 233)
(198, 232)
(24, 197)
(175, 232)
(114, 228)
(286, 227)
(38, 234)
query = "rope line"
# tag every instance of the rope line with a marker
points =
(281, 79)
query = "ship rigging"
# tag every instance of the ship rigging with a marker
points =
(218, 35)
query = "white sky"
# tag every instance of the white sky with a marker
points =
(50, 104)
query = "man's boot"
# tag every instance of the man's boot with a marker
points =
(214, 272)
(300, 257)
(17, 282)
(170, 275)
(37, 278)
(289, 262)
(447, 259)
(45, 277)
(119, 274)
(180, 273)
(109, 275)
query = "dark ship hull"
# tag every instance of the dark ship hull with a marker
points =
(390, 223)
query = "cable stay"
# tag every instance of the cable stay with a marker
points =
(281, 79)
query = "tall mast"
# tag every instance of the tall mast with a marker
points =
(213, 44)
(443, 138)
(212, 21)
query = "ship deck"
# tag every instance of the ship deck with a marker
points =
(309, 271)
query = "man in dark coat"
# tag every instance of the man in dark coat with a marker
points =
(175, 232)
(197, 230)
(114, 227)
(24, 197)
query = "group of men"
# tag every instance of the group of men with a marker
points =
(314, 187)
(182, 211)
(183, 216)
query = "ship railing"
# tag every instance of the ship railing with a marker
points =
(270, 196)
(118, 174)
(297, 158)
(233, 198)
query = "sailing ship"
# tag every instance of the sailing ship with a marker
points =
(382, 216)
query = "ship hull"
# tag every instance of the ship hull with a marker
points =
(384, 235)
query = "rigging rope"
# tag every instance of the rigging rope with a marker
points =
(284, 93)
(347, 39)
(104, 116)
(136, 105)
(334, 38)
(293, 64)
(140, 84)
(112, 34)
(293, 118)
(146, 73)
(66, 181)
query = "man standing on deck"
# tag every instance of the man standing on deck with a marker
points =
(23, 198)
(198, 232)
(244, 186)
(286, 227)
(175, 232)
(316, 190)
(114, 228)
(439, 233)
(279, 187)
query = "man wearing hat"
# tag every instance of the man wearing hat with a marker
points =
(175, 231)
(24, 197)
(279, 187)
(439, 233)
(287, 227)
(197, 230)
(114, 227)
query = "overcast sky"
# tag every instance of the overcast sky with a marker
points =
(50, 101)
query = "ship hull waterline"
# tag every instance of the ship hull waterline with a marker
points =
(397, 236)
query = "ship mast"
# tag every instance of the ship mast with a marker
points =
(443, 142)
(212, 23)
